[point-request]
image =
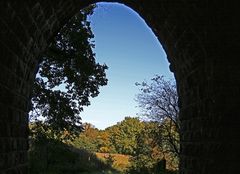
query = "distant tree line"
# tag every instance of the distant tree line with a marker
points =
(139, 139)
(148, 140)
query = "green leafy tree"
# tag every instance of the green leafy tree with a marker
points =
(159, 102)
(148, 151)
(68, 76)
(105, 145)
(123, 135)
(88, 139)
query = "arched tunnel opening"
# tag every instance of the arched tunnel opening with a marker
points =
(133, 54)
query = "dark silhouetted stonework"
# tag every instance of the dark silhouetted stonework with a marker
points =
(201, 39)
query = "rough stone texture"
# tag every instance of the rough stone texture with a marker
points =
(201, 39)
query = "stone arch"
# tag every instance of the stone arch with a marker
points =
(208, 83)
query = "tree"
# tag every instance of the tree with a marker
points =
(123, 135)
(68, 76)
(88, 139)
(105, 144)
(159, 102)
(147, 151)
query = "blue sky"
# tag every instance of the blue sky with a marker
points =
(133, 54)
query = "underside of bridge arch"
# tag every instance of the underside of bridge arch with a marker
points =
(201, 40)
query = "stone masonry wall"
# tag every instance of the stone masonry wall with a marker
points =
(201, 39)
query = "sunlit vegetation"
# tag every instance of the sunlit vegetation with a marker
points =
(136, 151)
(60, 143)
(50, 155)
(119, 162)
(138, 140)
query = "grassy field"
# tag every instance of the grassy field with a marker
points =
(102, 172)
(120, 162)
(52, 157)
